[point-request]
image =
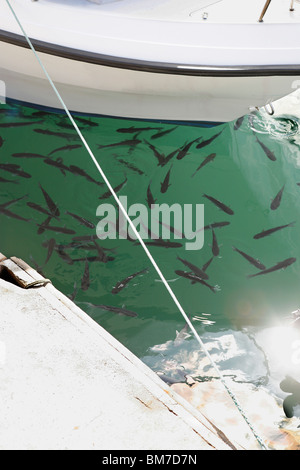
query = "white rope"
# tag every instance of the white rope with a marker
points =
(176, 301)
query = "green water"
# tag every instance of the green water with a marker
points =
(241, 175)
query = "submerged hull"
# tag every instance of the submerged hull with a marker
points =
(157, 84)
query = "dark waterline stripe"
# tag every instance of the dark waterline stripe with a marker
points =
(151, 66)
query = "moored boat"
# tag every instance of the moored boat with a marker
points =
(198, 60)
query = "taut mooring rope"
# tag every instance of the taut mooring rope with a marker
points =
(153, 262)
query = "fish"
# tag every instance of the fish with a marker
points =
(127, 143)
(120, 285)
(50, 244)
(85, 281)
(254, 261)
(216, 225)
(159, 156)
(169, 157)
(42, 227)
(12, 215)
(54, 210)
(63, 255)
(166, 183)
(164, 243)
(65, 148)
(163, 133)
(10, 203)
(116, 190)
(117, 310)
(40, 209)
(75, 170)
(208, 159)
(266, 233)
(1, 142)
(7, 125)
(81, 220)
(131, 166)
(281, 265)
(134, 130)
(193, 277)
(207, 264)
(3, 180)
(208, 141)
(238, 123)
(15, 170)
(183, 151)
(215, 246)
(84, 238)
(150, 199)
(199, 272)
(277, 200)
(45, 226)
(85, 122)
(271, 156)
(219, 204)
(58, 163)
(66, 136)
(27, 155)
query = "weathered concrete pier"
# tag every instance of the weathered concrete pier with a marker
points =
(67, 384)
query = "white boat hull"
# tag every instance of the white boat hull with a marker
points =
(96, 80)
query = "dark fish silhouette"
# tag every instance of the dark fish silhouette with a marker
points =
(7, 125)
(120, 285)
(207, 264)
(58, 163)
(254, 261)
(116, 190)
(65, 148)
(159, 156)
(119, 311)
(3, 180)
(150, 199)
(45, 226)
(166, 183)
(219, 204)
(215, 246)
(57, 134)
(216, 225)
(164, 243)
(199, 272)
(238, 123)
(54, 210)
(266, 233)
(8, 213)
(192, 277)
(281, 265)
(50, 244)
(127, 143)
(10, 203)
(208, 141)
(208, 159)
(75, 170)
(183, 151)
(131, 166)
(63, 255)
(81, 220)
(85, 281)
(27, 155)
(267, 151)
(1, 142)
(277, 200)
(163, 133)
(15, 170)
(12, 215)
(40, 209)
(134, 130)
